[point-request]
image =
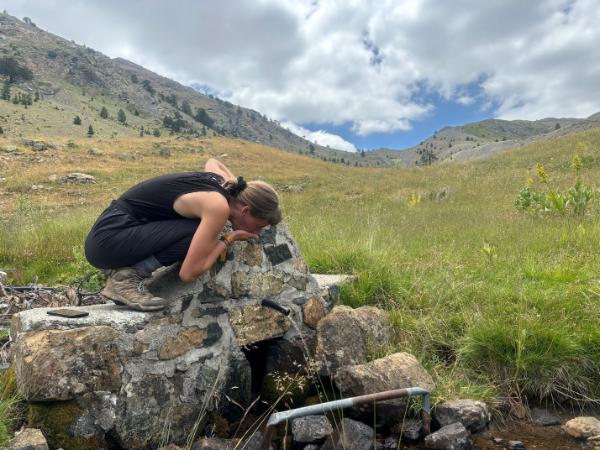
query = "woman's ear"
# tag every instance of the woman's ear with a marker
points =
(245, 210)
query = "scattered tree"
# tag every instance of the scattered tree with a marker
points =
(203, 117)
(121, 117)
(427, 157)
(134, 78)
(36, 97)
(142, 131)
(156, 132)
(186, 108)
(90, 132)
(557, 126)
(104, 112)
(77, 120)
(1, 130)
(148, 87)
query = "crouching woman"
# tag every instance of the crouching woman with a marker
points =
(171, 218)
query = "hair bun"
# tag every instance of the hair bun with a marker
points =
(239, 187)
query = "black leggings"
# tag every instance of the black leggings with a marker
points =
(117, 239)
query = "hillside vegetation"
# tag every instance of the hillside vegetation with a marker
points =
(494, 301)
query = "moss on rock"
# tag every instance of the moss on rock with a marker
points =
(55, 420)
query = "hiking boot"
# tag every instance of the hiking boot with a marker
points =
(125, 286)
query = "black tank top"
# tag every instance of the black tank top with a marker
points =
(153, 199)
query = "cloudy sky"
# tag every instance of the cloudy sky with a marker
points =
(355, 73)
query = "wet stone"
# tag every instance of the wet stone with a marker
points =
(278, 253)
(543, 417)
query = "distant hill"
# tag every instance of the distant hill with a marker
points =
(71, 80)
(481, 139)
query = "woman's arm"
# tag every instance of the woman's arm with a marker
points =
(215, 166)
(205, 247)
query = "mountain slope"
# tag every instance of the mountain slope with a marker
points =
(72, 79)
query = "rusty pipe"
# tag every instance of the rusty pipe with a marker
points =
(321, 408)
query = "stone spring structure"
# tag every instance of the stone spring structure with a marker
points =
(140, 379)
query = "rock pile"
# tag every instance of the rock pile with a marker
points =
(129, 377)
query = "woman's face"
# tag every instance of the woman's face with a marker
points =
(241, 219)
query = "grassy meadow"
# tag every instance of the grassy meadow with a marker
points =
(494, 301)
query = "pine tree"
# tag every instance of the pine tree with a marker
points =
(6, 91)
(1, 130)
(77, 120)
(121, 116)
(142, 131)
(90, 131)
(104, 112)
(156, 133)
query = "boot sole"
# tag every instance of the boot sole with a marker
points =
(134, 306)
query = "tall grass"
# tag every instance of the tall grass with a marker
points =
(492, 300)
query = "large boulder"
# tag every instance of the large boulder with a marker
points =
(473, 414)
(135, 375)
(396, 371)
(584, 427)
(345, 336)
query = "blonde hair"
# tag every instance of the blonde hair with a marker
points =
(258, 195)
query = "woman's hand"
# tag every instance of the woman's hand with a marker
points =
(242, 235)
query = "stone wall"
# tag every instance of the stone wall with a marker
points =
(139, 379)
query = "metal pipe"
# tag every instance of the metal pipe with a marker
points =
(321, 408)
(276, 306)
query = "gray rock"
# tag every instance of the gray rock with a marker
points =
(515, 445)
(543, 417)
(8, 148)
(93, 151)
(3, 277)
(350, 435)
(345, 335)
(60, 365)
(28, 439)
(39, 146)
(583, 427)
(78, 178)
(311, 429)
(449, 437)
(397, 371)
(254, 441)
(473, 414)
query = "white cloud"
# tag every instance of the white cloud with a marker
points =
(371, 63)
(321, 137)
